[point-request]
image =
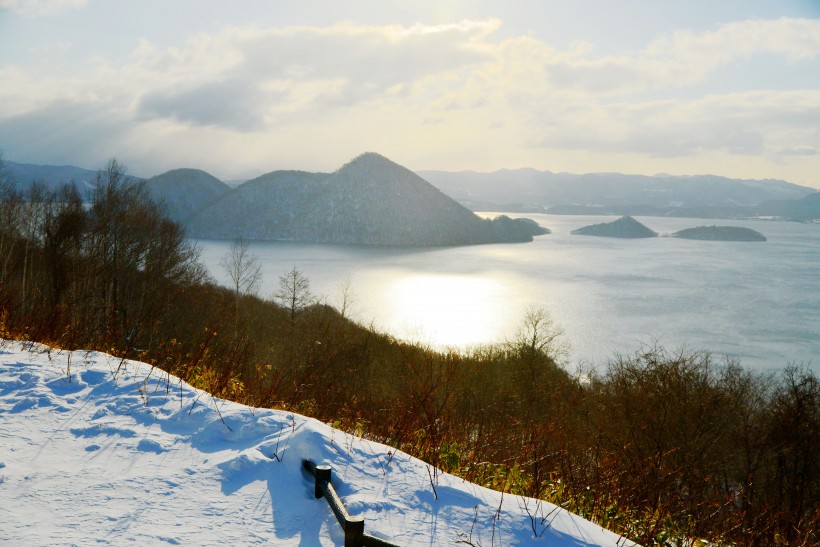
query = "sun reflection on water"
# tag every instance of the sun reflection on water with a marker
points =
(446, 310)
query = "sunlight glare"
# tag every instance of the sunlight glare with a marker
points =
(447, 310)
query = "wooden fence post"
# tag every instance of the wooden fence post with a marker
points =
(322, 473)
(354, 531)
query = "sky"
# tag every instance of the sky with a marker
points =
(243, 88)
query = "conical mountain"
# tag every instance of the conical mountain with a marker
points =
(369, 201)
(624, 227)
(185, 191)
(372, 199)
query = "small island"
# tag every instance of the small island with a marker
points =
(720, 233)
(624, 227)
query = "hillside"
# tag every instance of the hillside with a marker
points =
(369, 201)
(185, 191)
(53, 176)
(624, 227)
(267, 207)
(805, 209)
(98, 449)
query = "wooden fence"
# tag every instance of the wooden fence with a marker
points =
(353, 526)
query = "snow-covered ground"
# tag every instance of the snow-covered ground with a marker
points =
(95, 451)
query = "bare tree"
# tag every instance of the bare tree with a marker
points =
(6, 182)
(244, 270)
(294, 293)
(346, 298)
(539, 336)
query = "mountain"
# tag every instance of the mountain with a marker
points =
(53, 176)
(185, 191)
(369, 201)
(805, 209)
(624, 227)
(95, 448)
(267, 207)
(613, 193)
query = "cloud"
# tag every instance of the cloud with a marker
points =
(448, 91)
(685, 58)
(798, 151)
(266, 76)
(66, 132)
(652, 102)
(41, 8)
(233, 104)
(749, 123)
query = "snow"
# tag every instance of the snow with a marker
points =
(92, 449)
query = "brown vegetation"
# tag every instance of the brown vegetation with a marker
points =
(662, 447)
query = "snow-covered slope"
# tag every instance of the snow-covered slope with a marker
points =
(94, 450)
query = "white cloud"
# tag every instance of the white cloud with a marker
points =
(41, 8)
(795, 38)
(66, 132)
(249, 78)
(685, 58)
(749, 123)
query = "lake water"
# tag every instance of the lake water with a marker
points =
(759, 302)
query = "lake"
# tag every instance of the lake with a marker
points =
(759, 302)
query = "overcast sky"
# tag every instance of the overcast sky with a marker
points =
(730, 87)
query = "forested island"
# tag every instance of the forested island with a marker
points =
(625, 227)
(720, 233)
(628, 228)
(369, 201)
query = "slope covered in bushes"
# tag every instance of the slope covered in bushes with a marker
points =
(96, 447)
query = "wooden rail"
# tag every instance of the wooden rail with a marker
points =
(353, 526)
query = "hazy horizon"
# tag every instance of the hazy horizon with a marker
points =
(638, 87)
(238, 181)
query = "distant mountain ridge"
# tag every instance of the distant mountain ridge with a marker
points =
(53, 176)
(805, 209)
(514, 190)
(707, 196)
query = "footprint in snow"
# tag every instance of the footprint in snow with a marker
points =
(96, 431)
(147, 445)
(66, 385)
(25, 404)
(94, 377)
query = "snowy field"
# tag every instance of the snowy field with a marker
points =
(92, 450)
